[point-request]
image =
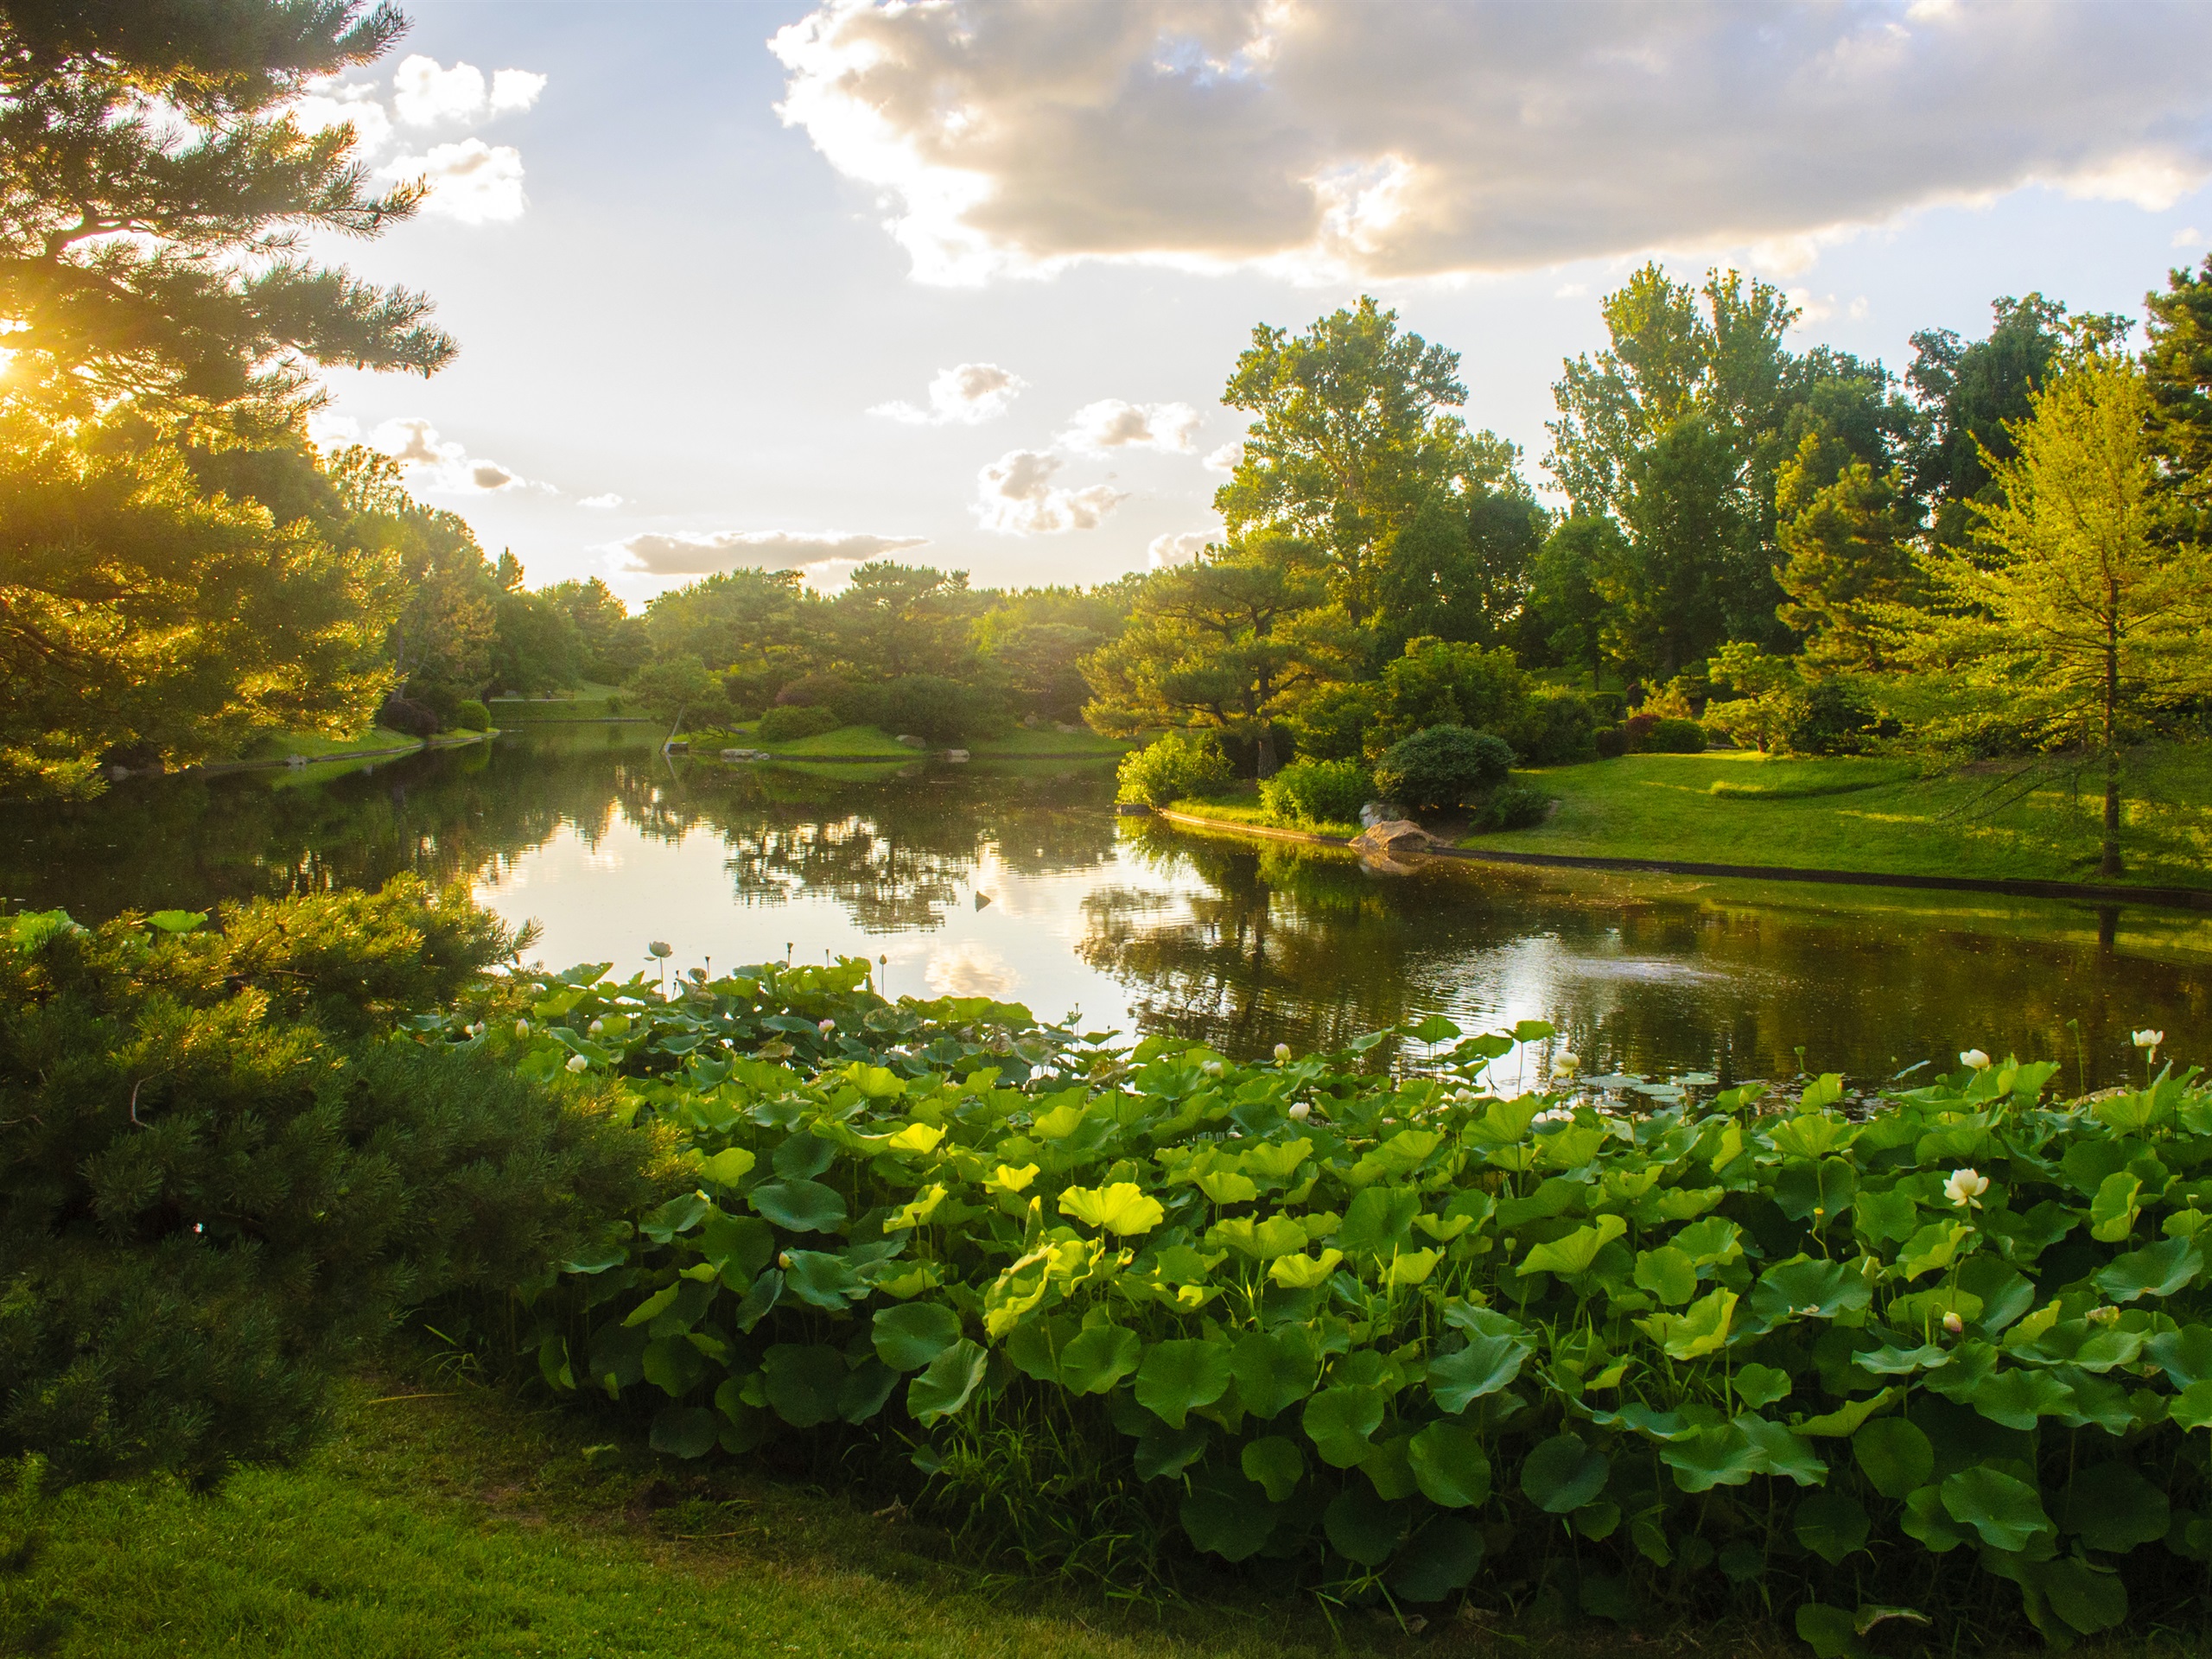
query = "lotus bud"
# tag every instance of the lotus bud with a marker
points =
(784, 1260)
(829, 1025)
(1301, 1112)
(1954, 1324)
(2148, 1041)
(577, 1062)
(521, 1028)
(595, 1027)
(1565, 1063)
(1966, 1188)
(1282, 1053)
(1975, 1057)
(1212, 1068)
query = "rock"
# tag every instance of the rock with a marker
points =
(1133, 810)
(1393, 838)
(746, 754)
(1376, 812)
(955, 754)
(911, 742)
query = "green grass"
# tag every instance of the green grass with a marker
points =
(311, 747)
(587, 702)
(1244, 806)
(1876, 815)
(1044, 741)
(463, 1523)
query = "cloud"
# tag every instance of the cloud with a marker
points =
(969, 394)
(2191, 238)
(472, 182)
(1811, 308)
(705, 553)
(970, 968)
(1014, 496)
(1224, 459)
(469, 180)
(433, 461)
(610, 500)
(425, 95)
(1180, 548)
(1110, 424)
(1326, 140)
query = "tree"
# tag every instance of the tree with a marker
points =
(895, 620)
(153, 200)
(2177, 363)
(1846, 536)
(669, 687)
(1229, 641)
(2068, 621)
(1458, 567)
(1350, 438)
(614, 641)
(535, 647)
(1568, 610)
(1447, 683)
(747, 625)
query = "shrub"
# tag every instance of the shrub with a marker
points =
(217, 1178)
(407, 716)
(1438, 768)
(1556, 728)
(941, 710)
(1173, 768)
(1671, 735)
(472, 716)
(787, 722)
(1611, 743)
(1511, 806)
(813, 691)
(1319, 792)
(1832, 717)
(1331, 723)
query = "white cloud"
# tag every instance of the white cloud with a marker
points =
(1224, 459)
(1111, 423)
(472, 182)
(330, 103)
(969, 394)
(702, 553)
(1811, 308)
(433, 461)
(1570, 290)
(1322, 139)
(1178, 548)
(2191, 238)
(1858, 309)
(514, 91)
(1014, 496)
(423, 94)
(610, 500)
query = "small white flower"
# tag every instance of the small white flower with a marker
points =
(2148, 1041)
(1954, 1324)
(1301, 1112)
(1212, 1068)
(1975, 1057)
(2102, 1315)
(595, 1027)
(829, 1025)
(1282, 1053)
(1565, 1063)
(521, 1028)
(577, 1062)
(1966, 1188)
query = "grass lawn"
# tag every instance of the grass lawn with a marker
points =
(311, 746)
(1025, 741)
(1243, 806)
(1742, 807)
(464, 1523)
(586, 701)
(874, 740)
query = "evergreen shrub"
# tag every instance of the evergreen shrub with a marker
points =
(472, 716)
(1174, 767)
(1556, 728)
(1319, 792)
(1610, 743)
(1665, 734)
(1511, 806)
(1439, 767)
(787, 722)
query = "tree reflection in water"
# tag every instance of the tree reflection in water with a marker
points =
(1240, 944)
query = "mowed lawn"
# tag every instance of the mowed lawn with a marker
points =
(1877, 815)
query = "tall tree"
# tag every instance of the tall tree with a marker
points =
(894, 620)
(1228, 641)
(1458, 567)
(2178, 361)
(1846, 533)
(2068, 622)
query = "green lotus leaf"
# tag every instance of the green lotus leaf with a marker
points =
(1828, 1632)
(1227, 1522)
(799, 1206)
(911, 1335)
(738, 1246)
(2158, 1270)
(1926, 1519)
(1123, 1208)
(684, 1432)
(1831, 1524)
(1712, 1243)
(1276, 1464)
(947, 1383)
(727, 1167)
(1432, 1029)
(1760, 1385)
(2006, 1511)
(1721, 1455)
(1808, 1288)
(801, 1382)
(1163, 1453)
(1274, 1370)
(1098, 1356)
(2017, 1397)
(1364, 1527)
(1819, 1192)
(1440, 1559)
(803, 1155)
(1884, 1217)
(1700, 1328)
(1485, 1365)
(1667, 1273)
(1561, 1474)
(2113, 1211)
(2086, 1598)
(1449, 1465)
(1264, 1241)
(1180, 1375)
(177, 921)
(1844, 1421)
(1412, 1267)
(1933, 1247)
(1902, 1361)
(2114, 1507)
(1222, 1186)
(1388, 1467)
(1276, 1160)
(1303, 1272)
(1378, 1220)
(1339, 1419)
(1577, 1253)
(674, 1365)
(1782, 1452)
(822, 1280)
(2192, 1407)
(869, 1387)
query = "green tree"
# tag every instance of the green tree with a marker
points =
(614, 642)
(1349, 438)
(154, 198)
(750, 626)
(894, 620)
(535, 647)
(2178, 362)
(1846, 535)
(1447, 683)
(2068, 621)
(670, 688)
(1229, 641)
(1458, 567)
(1566, 608)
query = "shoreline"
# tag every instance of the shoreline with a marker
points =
(2018, 887)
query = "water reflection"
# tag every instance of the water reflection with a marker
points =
(1016, 881)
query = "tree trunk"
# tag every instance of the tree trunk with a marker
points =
(2109, 863)
(1264, 762)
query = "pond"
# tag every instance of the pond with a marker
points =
(1015, 880)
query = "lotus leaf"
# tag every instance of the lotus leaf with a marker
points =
(1181, 1374)
(2113, 1212)
(799, 1206)
(1163, 1453)
(2160, 1269)
(1276, 1464)
(1123, 1208)
(1561, 1474)
(1485, 1365)
(1807, 1288)
(802, 1381)
(1274, 1370)
(1098, 1356)
(909, 1336)
(1338, 1420)
(822, 1279)
(802, 1155)
(1577, 1253)
(947, 1383)
(1667, 1273)
(1303, 1272)
(2006, 1512)
(1363, 1526)
(1701, 1328)
(1378, 1220)
(1412, 1267)
(1441, 1558)
(1449, 1466)
(1227, 1522)
(2112, 1508)
(1831, 1525)
(1760, 1385)
(684, 1432)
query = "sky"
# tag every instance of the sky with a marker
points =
(771, 283)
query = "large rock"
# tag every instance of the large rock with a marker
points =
(1394, 839)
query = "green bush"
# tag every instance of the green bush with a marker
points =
(1610, 743)
(218, 1178)
(1437, 769)
(787, 722)
(941, 710)
(1665, 734)
(1331, 723)
(1174, 767)
(1556, 728)
(1511, 806)
(1762, 1353)
(1319, 792)
(472, 716)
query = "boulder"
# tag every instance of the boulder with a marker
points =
(1394, 839)
(955, 754)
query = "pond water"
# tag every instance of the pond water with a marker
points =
(1016, 881)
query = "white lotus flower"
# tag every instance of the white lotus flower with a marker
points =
(521, 1028)
(1301, 1112)
(1212, 1068)
(595, 1027)
(1975, 1057)
(829, 1025)
(1565, 1063)
(1282, 1053)
(2148, 1041)
(1966, 1188)
(1954, 1324)
(577, 1062)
